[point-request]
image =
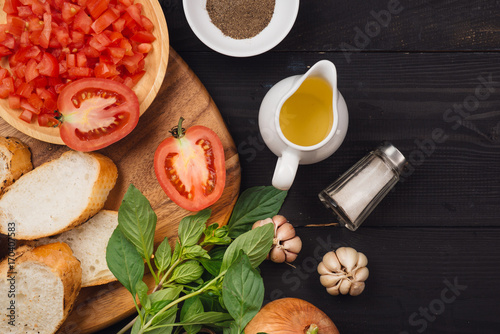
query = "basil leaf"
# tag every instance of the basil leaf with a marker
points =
(124, 261)
(208, 318)
(191, 227)
(142, 292)
(255, 243)
(167, 317)
(163, 255)
(242, 291)
(187, 272)
(211, 302)
(216, 236)
(196, 251)
(165, 294)
(137, 221)
(212, 266)
(177, 252)
(254, 204)
(191, 307)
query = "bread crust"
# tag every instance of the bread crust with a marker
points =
(59, 258)
(108, 173)
(107, 176)
(17, 159)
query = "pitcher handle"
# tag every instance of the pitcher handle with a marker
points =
(285, 170)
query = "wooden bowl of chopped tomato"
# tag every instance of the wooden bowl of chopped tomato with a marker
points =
(45, 45)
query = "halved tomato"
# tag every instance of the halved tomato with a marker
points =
(96, 113)
(190, 167)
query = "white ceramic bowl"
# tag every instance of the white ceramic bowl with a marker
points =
(285, 13)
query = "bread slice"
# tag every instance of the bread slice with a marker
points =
(15, 160)
(57, 196)
(88, 242)
(38, 295)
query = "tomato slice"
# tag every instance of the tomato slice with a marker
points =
(96, 113)
(190, 167)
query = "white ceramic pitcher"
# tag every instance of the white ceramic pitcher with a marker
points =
(289, 154)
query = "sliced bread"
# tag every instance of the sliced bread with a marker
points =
(88, 242)
(39, 290)
(57, 196)
(15, 160)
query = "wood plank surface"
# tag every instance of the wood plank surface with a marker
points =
(398, 97)
(181, 94)
(417, 25)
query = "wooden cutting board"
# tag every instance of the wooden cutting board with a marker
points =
(181, 94)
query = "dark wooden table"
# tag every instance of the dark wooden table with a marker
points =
(437, 235)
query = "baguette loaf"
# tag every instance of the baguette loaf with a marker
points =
(88, 242)
(38, 292)
(15, 160)
(57, 196)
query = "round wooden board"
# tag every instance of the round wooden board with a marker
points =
(146, 89)
(181, 94)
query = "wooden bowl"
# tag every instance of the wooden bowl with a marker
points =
(146, 89)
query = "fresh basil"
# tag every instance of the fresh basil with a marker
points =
(255, 243)
(191, 227)
(254, 204)
(242, 291)
(208, 285)
(142, 292)
(137, 221)
(187, 272)
(177, 252)
(165, 294)
(124, 261)
(216, 236)
(167, 317)
(195, 252)
(209, 318)
(191, 307)
(163, 255)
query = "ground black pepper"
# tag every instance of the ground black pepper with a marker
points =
(241, 19)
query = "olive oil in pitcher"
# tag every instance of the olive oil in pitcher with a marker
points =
(306, 117)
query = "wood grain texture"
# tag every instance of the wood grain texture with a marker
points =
(181, 94)
(418, 25)
(146, 89)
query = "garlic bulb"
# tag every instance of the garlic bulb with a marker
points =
(286, 245)
(344, 271)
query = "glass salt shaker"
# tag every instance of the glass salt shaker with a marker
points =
(354, 195)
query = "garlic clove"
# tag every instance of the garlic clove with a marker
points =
(361, 274)
(332, 262)
(279, 220)
(293, 245)
(345, 286)
(285, 232)
(356, 288)
(277, 255)
(323, 270)
(362, 260)
(262, 222)
(348, 257)
(290, 256)
(330, 280)
(334, 290)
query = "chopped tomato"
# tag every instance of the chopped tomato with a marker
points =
(14, 101)
(104, 21)
(49, 65)
(26, 116)
(190, 167)
(96, 113)
(51, 43)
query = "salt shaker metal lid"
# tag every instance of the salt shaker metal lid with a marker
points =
(392, 155)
